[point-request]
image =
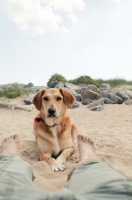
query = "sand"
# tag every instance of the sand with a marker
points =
(110, 129)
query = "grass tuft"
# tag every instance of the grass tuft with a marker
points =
(13, 92)
(115, 82)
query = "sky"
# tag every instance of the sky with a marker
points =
(39, 38)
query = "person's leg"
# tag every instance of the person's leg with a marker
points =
(94, 179)
(16, 177)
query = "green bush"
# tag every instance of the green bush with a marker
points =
(115, 82)
(13, 92)
(84, 80)
(56, 77)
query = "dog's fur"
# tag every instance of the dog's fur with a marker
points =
(54, 132)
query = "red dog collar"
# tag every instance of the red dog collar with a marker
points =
(37, 119)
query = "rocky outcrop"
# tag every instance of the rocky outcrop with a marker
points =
(89, 95)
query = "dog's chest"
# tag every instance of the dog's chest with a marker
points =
(56, 147)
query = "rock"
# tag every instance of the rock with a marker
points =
(108, 101)
(59, 85)
(114, 90)
(29, 85)
(83, 85)
(128, 102)
(35, 89)
(53, 84)
(93, 88)
(122, 95)
(71, 86)
(78, 97)
(127, 92)
(96, 103)
(88, 94)
(105, 86)
(75, 104)
(71, 91)
(12, 107)
(87, 101)
(116, 99)
(127, 88)
(27, 101)
(97, 108)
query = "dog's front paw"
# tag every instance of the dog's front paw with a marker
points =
(57, 166)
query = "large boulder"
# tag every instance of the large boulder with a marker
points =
(128, 102)
(53, 84)
(88, 94)
(127, 92)
(108, 101)
(71, 91)
(96, 103)
(93, 88)
(105, 86)
(121, 94)
(87, 101)
(59, 85)
(116, 99)
(35, 89)
(78, 97)
(71, 86)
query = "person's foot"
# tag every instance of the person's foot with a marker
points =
(10, 144)
(86, 148)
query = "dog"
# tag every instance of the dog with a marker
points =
(54, 132)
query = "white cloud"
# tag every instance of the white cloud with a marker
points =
(115, 1)
(40, 16)
(72, 17)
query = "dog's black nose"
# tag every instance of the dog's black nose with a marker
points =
(51, 111)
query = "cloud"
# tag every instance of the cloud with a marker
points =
(115, 1)
(72, 17)
(41, 16)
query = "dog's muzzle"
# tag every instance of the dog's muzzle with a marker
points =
(51, 112)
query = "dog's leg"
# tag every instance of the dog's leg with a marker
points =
(55, 165)
(74, 132)
(65, 154)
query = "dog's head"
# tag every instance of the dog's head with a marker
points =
(52, 102)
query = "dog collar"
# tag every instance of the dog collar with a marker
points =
(37, 119)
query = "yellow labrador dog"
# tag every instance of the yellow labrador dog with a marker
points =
(53, 128)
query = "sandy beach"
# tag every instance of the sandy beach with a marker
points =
(110, 129)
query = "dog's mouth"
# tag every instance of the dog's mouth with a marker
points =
(51, 115)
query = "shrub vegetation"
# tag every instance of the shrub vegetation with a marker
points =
(13, 92)
(56, 77)
(115, 82)
(85, 80)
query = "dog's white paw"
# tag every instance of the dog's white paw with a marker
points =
(57, 166)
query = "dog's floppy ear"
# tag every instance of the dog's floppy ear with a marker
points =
(68, 97)
(37, 100)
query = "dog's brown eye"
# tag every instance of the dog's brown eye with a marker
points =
(46, 99)
(58, 98)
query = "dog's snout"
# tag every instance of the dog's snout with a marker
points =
(51, 111)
